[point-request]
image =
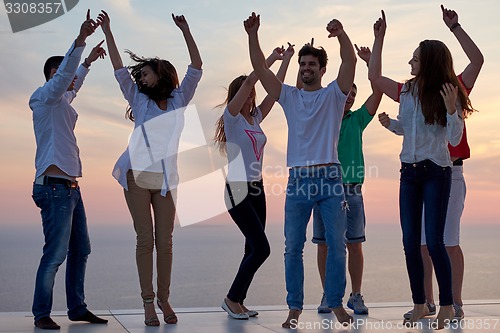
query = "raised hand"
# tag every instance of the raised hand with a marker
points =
(384, 119)
(96, 53)
(335, 28)
(449, 93)
(380, 26)
(252, 23)
(311, 43)
(277, 53)
(289, 52)
(181, 22)
(450, 16)
(364, 53)
(87, 28)
(104, 22)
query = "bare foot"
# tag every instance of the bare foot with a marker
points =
(419, 311)
(293, 319)
(342, 316)
(445, 315)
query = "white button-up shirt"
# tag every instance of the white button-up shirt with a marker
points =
(54, 118)
(422, 141)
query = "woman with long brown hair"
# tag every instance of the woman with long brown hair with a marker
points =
(431, 110)
(240, 137)
(154, 95)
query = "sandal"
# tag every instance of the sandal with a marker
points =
(153, 321)
(170, 318)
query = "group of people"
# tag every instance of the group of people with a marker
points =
(324, 143)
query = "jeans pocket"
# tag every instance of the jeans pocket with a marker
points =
(60, 191)
(39, 195)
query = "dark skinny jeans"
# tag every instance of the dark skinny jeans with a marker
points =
(249, 213)
(425, 184)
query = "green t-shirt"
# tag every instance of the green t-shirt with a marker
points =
(350, 146)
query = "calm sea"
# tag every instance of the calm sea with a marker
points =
(206, 258)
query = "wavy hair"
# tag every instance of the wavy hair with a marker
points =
(167, 79)
(319, 53)
(436, 69)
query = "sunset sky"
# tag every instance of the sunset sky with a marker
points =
(146, 28)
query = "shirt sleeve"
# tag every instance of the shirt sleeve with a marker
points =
(81, 73)
(188, 85)
(129, 88)
(363, 117)
(229, 118)
(54, 89)
(396, 127)
(467, 90)
(340, 97)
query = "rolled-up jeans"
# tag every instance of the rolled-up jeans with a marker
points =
(64, 226)
(307, 186)
(425, 183)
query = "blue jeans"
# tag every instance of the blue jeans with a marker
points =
(65, 230)
(356, 221)
(307, 186)
(425, 183)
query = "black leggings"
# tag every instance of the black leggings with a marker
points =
(250, 216)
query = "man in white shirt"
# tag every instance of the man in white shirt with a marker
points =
(314, 115)
(55, 189)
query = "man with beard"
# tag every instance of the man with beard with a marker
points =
(314, 115)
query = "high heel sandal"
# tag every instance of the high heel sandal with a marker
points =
(153, 321)
(170, 318)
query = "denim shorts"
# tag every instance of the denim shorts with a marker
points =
(356, 221)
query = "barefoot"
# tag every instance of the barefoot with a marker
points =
(445, 315)
(342, 316)
(292, 320)
(419, 311)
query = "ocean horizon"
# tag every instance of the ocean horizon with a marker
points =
(206, 258)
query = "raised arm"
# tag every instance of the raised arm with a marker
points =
(373, 101)
(96, 53)
(241, 96)
(270, 82)
(88, 27)
(379, 82)
(114, 55)
(347, 68)
(286, 56)
(471, 71)
(194, 53)
(58, 84)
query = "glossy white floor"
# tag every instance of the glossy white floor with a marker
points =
(481, 317)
